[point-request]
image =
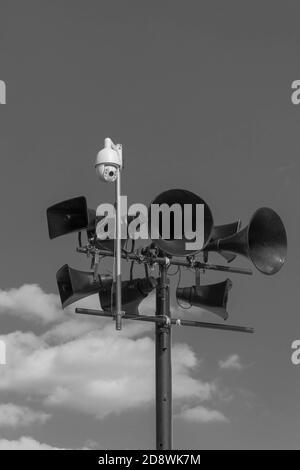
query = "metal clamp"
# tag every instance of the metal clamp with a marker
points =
(167, 320)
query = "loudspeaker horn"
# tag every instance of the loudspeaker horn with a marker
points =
(133, 293)
(224, 231)
(70, 216)
(211, 297)
(74, 285)
(263, 241)
(171, 245)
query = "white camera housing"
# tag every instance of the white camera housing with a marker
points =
(109, 161)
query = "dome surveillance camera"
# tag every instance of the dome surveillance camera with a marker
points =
(109, 161)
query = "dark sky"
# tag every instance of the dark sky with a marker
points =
(198, 93)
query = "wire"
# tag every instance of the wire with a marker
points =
(125, 250)
(188, 269)
(124, 247)
(131, 270)
(180, 305)
(95, 267)
(173, 274)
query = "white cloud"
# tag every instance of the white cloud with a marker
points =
(15, 416)
(24, 443)
(84, 364)
(200, 414)
(76, 325)
(231, 362)
(30, 302)
(101, 372)
(29, 443)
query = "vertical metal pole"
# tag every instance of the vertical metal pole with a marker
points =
(118, 311)
(163, 366)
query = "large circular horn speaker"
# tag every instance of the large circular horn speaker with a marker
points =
(267, 241)
(172, 245)
(263, 241)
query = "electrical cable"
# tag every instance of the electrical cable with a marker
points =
(180, 305)
(173, 274)
(125, 250)
(131, 270)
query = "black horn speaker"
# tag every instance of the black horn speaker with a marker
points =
(70, 216)
(133, 293)
(224, 231)
(74, 285)
(211, 297)
(178, 233)
(263, 241)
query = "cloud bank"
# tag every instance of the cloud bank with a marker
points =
(30, 302)
(15, 416)
(200, 414)
(24, 443)
(81, 363)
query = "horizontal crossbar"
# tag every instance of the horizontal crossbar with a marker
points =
(139, 258)
(167, 320)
